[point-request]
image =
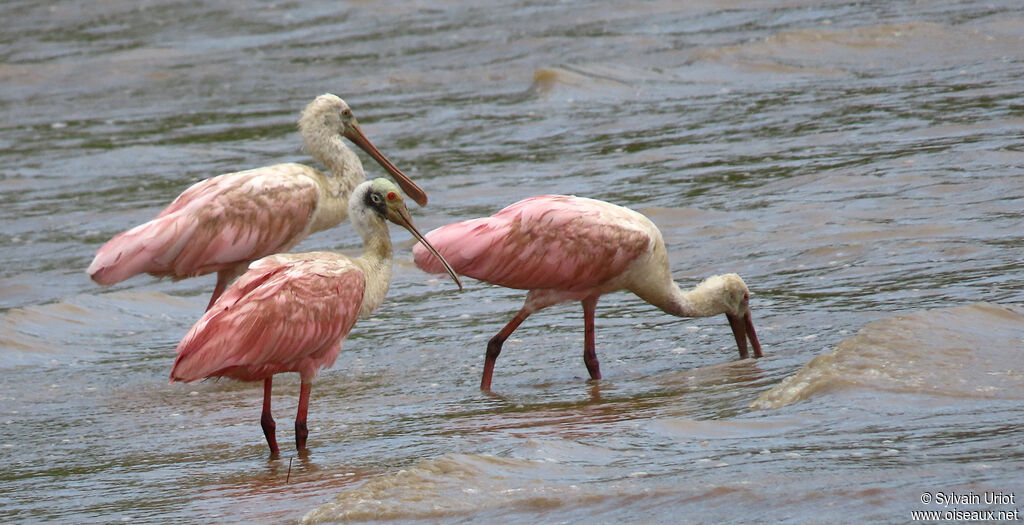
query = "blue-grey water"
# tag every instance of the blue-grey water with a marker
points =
(860, 164)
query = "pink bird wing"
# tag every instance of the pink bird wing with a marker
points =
(547, 242)
(288, 313)
(215, 225)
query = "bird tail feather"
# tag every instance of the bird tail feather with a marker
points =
(148, 248)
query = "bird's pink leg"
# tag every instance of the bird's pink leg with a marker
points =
(589, 345)
(494, 346)
(301, 431)
(267, 420)
(223, 277)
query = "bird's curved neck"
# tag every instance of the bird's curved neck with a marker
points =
(704, 300)
(342, 161)
(377, 244)
(375, 263)
(345, 173)
(344, 165)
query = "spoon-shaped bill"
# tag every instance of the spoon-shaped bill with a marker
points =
(742, 329)
(355, 134)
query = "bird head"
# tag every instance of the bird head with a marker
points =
(732, 297)
(382, 198)
(332, 113)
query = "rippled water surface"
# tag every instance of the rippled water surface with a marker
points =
(858, 163)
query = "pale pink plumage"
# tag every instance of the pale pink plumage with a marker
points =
(551, 242)
(215, 225)
(288, 313)
(222, 224)
(291, 312)
(563, 248)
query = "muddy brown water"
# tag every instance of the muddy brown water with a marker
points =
(859, 164)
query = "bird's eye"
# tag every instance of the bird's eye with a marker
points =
(376, 198)
(347, 113)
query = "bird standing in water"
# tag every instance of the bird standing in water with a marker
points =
(291, 312)
(564, 248)
(223, 223)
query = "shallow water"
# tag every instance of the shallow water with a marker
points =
(857, 163)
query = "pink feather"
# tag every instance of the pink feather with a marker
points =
(542, 243)
(214, 225)
(288, 313)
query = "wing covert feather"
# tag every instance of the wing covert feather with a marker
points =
(288, 313)
(546, 242)
(215, 225)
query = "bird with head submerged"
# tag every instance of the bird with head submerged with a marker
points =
(565, 248)
(291, 312)
(223, 223)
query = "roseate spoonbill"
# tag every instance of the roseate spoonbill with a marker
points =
(223, 223)
(564, 248)
(291, 312)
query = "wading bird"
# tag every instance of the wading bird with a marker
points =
(563, 248)
(224, 223)
(291, 312)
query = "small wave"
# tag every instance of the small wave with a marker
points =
(469, 486)
(452, 485)
(549, 80)
(76, 325)
(681, 428)
(29, 335)
(826, 50)
(967, 351)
